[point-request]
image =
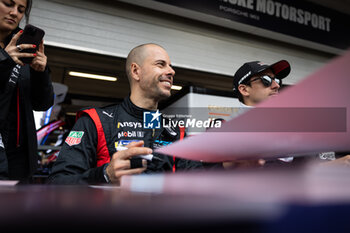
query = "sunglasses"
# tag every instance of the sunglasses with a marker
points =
(266, 80)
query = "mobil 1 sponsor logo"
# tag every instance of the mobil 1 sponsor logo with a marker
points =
(131, 134)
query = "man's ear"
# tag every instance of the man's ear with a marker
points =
(243, 89)
(135, 71)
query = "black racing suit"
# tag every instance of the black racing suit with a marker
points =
(79, 162)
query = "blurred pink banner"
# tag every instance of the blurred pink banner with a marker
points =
(307, 118)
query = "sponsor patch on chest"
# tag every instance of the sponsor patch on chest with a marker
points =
(131, 134)
(123, 143)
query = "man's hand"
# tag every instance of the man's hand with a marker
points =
(340, 162)
(120, 163)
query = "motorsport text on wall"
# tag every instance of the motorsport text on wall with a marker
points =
(284, 11)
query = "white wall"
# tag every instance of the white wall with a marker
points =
(105, 29)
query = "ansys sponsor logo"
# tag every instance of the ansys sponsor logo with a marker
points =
(129, 124)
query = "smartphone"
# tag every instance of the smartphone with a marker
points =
(30, 35)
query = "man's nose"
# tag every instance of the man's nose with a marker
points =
(275, 85)
(171, 71)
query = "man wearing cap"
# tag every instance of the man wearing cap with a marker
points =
(255, 82)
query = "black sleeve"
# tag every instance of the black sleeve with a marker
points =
(6, 66)
(3, 162)
(41, 90)
(76, 163)
(6, 88)
(185, 165)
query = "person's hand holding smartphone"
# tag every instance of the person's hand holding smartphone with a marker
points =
(40, 60)
(27, 47)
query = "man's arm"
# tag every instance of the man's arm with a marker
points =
(76, 163)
